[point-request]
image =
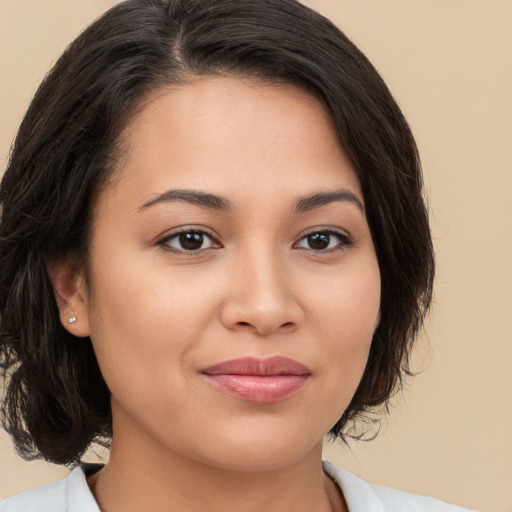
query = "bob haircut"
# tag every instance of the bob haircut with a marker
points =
(55, 401)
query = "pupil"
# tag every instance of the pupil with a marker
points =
(318, 241)
(191, 241)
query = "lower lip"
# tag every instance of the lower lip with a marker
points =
(255, 388)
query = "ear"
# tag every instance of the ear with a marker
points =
(377, 323)
(72, 298)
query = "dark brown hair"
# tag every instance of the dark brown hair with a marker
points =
(55, 400)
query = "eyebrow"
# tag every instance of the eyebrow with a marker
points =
(210, 201)
(305, 204)
(215, 202)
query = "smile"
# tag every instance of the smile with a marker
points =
(258, 380)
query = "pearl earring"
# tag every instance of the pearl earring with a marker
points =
(72, 320)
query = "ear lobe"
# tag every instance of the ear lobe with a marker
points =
(71, 295)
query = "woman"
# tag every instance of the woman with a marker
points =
(214, 251)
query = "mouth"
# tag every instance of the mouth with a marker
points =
(258, 380)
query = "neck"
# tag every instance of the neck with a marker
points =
(140, 477)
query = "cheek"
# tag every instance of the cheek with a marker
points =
(347, 313)
(141, 323)
(142, 294)
(347, 303)
(147, 317)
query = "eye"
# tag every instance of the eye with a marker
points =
(189, 240)
(324, 240)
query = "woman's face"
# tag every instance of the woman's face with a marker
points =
(234, 233)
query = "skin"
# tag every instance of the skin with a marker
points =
(157, 315)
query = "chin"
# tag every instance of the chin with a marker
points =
(262, 453)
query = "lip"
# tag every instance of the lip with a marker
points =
(258, 380)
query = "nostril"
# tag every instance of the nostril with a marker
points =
(288, 327)
(285, 325)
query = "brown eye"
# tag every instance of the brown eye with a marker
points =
(324, 240)
(191, 241)
(319, 241)
(188, 241)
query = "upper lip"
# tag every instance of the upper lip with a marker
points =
(276, 365)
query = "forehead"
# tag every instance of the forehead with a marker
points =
(230, 134)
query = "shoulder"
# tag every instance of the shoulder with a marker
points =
(68, 495)
(361, 496)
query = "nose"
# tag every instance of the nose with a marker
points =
(261, 297)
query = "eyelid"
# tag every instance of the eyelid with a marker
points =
(163, 239)
(345, 238)
(326, 229)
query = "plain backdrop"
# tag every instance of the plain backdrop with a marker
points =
(449, 64)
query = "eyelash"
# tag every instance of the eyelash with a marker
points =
(344, 240)
(164, 242)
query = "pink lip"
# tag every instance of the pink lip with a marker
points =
(258, 380)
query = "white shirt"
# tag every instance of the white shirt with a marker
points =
(72, 494)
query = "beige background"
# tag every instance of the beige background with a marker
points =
(448, 63)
